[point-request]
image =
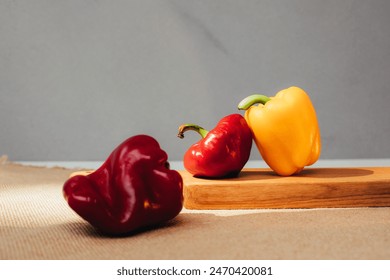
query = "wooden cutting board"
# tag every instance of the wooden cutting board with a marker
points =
(312, 188)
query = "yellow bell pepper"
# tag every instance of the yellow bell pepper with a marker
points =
(285, 129)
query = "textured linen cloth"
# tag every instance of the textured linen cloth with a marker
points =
(37, 223)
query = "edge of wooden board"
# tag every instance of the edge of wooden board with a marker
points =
(313, 188)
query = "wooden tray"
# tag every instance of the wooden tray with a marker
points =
(312, 188)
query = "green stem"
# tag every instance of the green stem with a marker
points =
(252, 99)
(189, 126)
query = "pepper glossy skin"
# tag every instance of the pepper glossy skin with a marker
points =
(285, 129)
(134, 188)
(222, 152)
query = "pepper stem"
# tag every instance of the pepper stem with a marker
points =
(189, 126)
(252, 99)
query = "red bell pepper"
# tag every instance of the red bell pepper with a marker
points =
(134, 188)
(222, 152)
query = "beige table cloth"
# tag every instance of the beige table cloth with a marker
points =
(37, 223)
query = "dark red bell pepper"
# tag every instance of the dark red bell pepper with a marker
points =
(134, 188)
(220, 153)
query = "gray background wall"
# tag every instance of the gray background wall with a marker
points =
(79, 77)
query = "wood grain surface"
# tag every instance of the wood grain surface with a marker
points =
(312, 188)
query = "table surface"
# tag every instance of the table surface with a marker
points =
(36, 223)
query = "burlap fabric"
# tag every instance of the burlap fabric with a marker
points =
(36, 223)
